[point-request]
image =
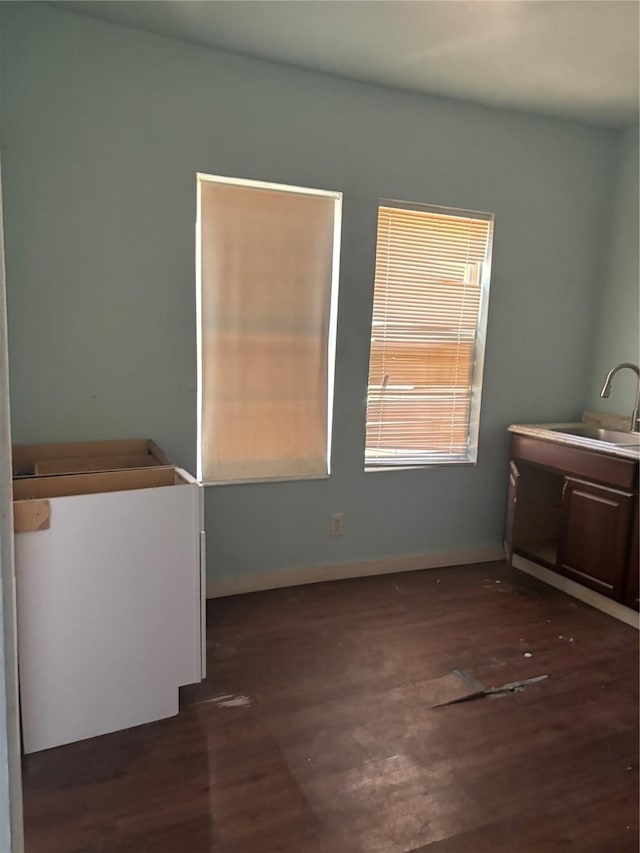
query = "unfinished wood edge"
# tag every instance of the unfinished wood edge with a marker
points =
(24, 456)
(93, 464)
(30, 516)
(220, 587)
(159, 455)
(588, 596)
(72, 485)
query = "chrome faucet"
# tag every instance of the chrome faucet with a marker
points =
(606, 390)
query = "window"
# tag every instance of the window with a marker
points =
(427, 338)
(267, 264)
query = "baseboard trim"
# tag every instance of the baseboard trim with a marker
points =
(220, 587)
(589, 596)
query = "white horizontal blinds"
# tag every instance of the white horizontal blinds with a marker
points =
(427, 295)
(266, 276)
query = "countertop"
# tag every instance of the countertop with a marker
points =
(546, 432)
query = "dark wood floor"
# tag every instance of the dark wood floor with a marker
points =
(323, 741)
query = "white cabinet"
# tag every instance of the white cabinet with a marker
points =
(110, 603)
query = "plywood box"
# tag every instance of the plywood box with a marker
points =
(86, 456)
(110, 580)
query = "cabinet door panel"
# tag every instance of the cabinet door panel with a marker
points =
(632, 589)
(594, 543)
(512, 497)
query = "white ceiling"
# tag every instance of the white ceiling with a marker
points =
(570, 58)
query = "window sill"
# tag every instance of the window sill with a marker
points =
(250, 482)
(453, 463)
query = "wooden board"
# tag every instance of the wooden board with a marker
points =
(26, 456)
(157, 453)
(89, 464)
(82, 484)
(29, 516)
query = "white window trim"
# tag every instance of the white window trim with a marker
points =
(333, 318)
(479, 350)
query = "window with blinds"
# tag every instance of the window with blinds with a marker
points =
(267, 264)
(427, 338)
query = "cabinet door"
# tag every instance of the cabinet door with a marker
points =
(632, 586)
(97, 645)
(512, 497)
(595, 536)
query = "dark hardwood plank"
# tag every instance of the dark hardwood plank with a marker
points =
(328, 744)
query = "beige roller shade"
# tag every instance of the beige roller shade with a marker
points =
(267, 276)
(429, 278)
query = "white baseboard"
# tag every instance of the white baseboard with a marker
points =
(589, 596)
(219, 587)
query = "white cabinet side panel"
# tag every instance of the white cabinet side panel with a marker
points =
(183, 505)
(104, 631)
(203, 604)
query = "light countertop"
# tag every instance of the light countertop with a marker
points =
(549, 432)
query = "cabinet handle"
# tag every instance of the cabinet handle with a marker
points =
(564, 488)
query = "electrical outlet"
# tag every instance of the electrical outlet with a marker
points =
(337, 524)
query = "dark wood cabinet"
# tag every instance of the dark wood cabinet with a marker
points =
(595, 536)
(575, 511)
(632, 587)
(512, 497)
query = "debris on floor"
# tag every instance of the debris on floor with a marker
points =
(228, 700)
(456, 686)
(513, 687)
(459, 686)
(487, 584)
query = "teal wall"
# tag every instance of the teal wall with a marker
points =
(616, 336)
(103, 130)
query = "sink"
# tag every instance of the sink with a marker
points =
(611, 436)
